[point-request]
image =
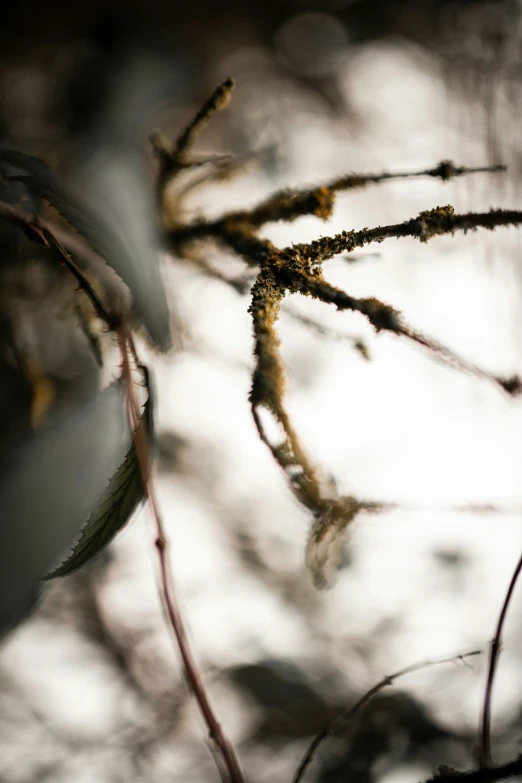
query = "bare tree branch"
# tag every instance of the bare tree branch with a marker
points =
(348, 714)
(512, 769)
(485, 727)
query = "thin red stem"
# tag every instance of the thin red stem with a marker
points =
(194, 678)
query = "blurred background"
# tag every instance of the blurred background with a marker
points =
(90, 686)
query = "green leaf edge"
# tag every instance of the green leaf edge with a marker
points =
(120, 499)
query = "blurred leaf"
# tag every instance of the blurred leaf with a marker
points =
(120, 499)
(48, 487)
(116, 181)
(112, 212)
(40, 179)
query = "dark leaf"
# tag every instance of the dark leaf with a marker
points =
(112, 212)
(47, 490)
(120, 499)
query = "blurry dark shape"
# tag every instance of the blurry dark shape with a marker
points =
(450, 558)
(394, 729)
(97, 92)
(121, 497)
(12, 192)
(49, 355)
(470, 38)
(118, 79)
(117, 83)
(348, 718)
(312, 43)
(205, 20)
(48, 490)
(170, 449)
(291, 705)
(54, 423)
(353, 258)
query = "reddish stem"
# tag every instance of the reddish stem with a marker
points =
(194, 678)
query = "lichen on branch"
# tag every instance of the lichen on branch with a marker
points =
(297, 269)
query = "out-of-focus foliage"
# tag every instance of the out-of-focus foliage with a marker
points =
(114, 508)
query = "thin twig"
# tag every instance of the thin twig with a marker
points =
(221, 169)
(222, 743)
(82, 280)
(513, 769)
(288, 205)
(174, 158)
(511, 385)
(219, 100)
(485, 726)
(349, 713)
(241, 285)
(445, 171)
(357, 342)
(429, 223)
(385, 318)
(48, 234)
